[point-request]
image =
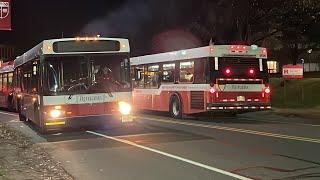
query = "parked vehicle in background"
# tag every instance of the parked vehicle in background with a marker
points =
(214, 78)
(6, 88)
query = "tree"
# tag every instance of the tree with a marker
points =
(289, 25)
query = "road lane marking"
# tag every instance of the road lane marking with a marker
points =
(172, 156)
(10, 114)
(268, 134)
(14, 120)
(281, 122)
(138, 135)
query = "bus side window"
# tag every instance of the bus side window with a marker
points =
(152, 76)
(168, 72)
(10, 76)
(27, 71)
(200, 70)
(35, 77)
(5, 81)
(0, 82)
(19, 78)
(186, 71)
(139, 77)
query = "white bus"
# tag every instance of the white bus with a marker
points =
(206, 79)
(74, 81)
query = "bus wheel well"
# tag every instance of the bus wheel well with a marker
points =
(175, 94)
(175, 105)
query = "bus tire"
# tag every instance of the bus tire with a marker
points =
(43, 129)
(10, 103)
(175, 107)
(22, 117)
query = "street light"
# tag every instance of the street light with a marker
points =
(309, 53)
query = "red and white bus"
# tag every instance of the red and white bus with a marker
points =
(6, 89)
(72, 81)
(213, 78)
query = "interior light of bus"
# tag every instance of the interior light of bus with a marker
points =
(57, 107)
(87, 39)
(77, 38)
(19, 95)
(95, 38)
(123, 46)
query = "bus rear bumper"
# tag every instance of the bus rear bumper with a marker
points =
(238, 107)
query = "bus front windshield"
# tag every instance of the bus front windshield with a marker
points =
(87, 74)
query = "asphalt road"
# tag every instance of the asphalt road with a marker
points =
(252, 146)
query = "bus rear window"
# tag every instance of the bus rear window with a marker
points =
(241, 67)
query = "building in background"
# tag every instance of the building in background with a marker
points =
(273, 67)
(311, 61)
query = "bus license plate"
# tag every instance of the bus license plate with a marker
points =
(241, 98)
(125, 119)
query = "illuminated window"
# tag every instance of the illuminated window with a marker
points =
(152, 77)
(272, 66)
(139, 77)
(186, 71)
(10, 75)
(168, 72)
(5, 81)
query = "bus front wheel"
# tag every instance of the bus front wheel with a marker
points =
(175, 107)
(22, 117)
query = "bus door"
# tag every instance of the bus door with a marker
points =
(30, 86)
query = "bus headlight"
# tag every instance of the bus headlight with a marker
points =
(124, 108)
(55, 113)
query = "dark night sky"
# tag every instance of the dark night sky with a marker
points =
(149, 25)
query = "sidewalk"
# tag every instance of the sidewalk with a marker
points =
(20, 158)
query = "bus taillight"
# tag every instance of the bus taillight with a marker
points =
(267, 90)
(227, 71)
(251, 72)
(212, 90)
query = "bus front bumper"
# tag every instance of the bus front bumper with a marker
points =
(87, 121)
